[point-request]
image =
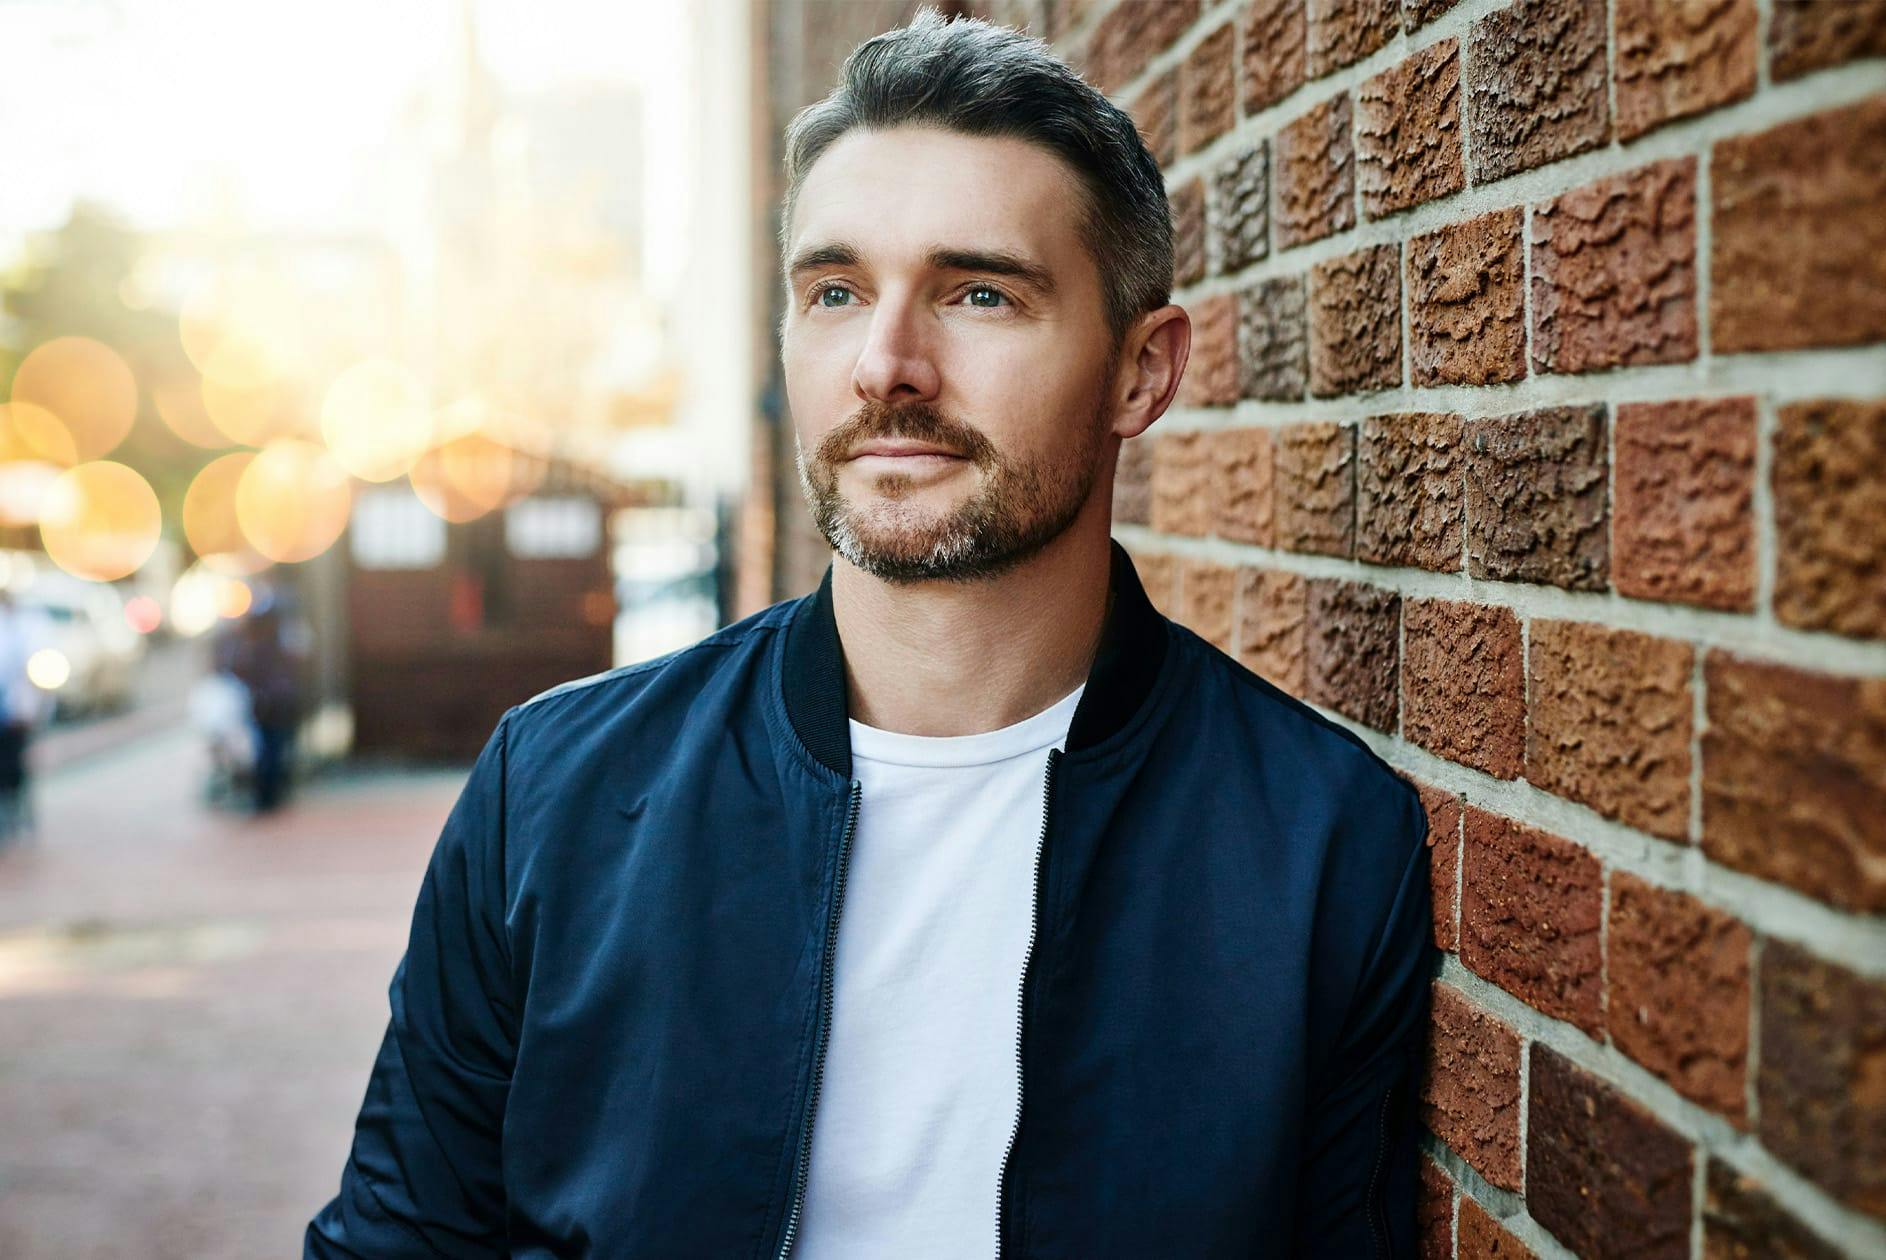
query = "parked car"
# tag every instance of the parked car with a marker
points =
(96, 645)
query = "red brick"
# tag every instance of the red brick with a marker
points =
(1182, 483)
(1133, 482)
(1355, 322)
(1537, 88)
(1464, 684)
(1238, 210)
(1345, 31)
(1822, 1080)
(1316, 175)
(1244, 475)
(1794, 778)
(1275, 37)
(1444, 811)
(1409, 479)
(1131, 35)
(1614, 271)
(1408, 132)
(1466, 304)
(1315, 487)
(1353, 654)
(1536, 497)
(1155, 113)
(1434, 1212)
(1530, 908)
(1683, 526)
(1609, 722)
(1159, 574)
(1470, 1088)
(1211, 375)
(1675, 60)
(1678, 991)
(1830, 516)
(1273, 627)
(1602, 1173)
(1209, 590)
(1805, 35)
(1188, 233)
(1798, 253)
(1207, 97)
(1741, 1220)
(1416, 14)
(1273, 340)
(1483, 1238)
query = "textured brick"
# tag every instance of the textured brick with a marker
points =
(1408, 132)
(1536, 85)
(1159, 574)
(1239, 209)
(1434, 1212)
(1464, 684)
(1188, 233)
(1741, 1221)
(1244, 478)
(1681, 57)
(1273, 340)
(1208, 102)
(1316, 175)
(1530, 906)
(1443, 810)
(1416, 14)
(1346, 31)
(1830, 516)
(1353, 659)
(1609, 723)
(1209, 590)
(1211, 375)
(1483, 1238)
(1536, 497)
(1275, 41)
(1156, 114)
(1806, 35)
(1133, 482)
(1409, 483)
(1798, 253)
(1315, 487)
(1794, 778)
(1182, 483)
(1683, 526)
(1822, 1080)
(1678, 991)
(1273, 627)
(1355, 322)
(1129, 36)
(1466, 302)
(1602, 1173)
(1614, 271)
(1470, 1089)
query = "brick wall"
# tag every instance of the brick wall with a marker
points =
(1536, 429)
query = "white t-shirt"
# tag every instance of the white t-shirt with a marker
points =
(919, 1092)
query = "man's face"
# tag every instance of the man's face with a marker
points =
(947, 358)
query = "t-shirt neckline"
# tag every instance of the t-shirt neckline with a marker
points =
(1031, 734)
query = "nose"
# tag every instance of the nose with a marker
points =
(896, 364)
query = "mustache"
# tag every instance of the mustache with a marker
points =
(916, 422)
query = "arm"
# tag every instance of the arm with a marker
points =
(1356, 1193)
(424, 1177)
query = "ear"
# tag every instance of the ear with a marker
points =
(1153, 358)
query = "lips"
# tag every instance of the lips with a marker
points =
(896, 448)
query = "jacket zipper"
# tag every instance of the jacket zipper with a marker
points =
(825, 1022)
(1021, 997)
(1370, 1205)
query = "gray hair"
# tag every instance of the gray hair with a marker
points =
(969, 76)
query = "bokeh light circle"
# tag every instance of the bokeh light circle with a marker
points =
(292, 500)
(376, 421)
(99, 520)
(87, 385)
(209, 517)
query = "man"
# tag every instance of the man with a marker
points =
(967, 906)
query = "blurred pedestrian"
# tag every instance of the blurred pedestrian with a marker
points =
(24, 705)
(265, 654)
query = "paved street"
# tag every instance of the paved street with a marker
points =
(190, 1000)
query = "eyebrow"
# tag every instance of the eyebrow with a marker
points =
(998, 262)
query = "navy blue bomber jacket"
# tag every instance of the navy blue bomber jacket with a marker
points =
(608, 1028)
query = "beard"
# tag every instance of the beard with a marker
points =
(1018, 507)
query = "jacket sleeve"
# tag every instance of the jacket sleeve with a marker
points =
(1356, 1189)
(424, 1176)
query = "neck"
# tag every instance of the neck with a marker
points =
(960, 658)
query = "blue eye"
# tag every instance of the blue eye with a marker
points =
(830, 288)
(983, 288)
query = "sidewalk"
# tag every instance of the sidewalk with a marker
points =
(190, 1002)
